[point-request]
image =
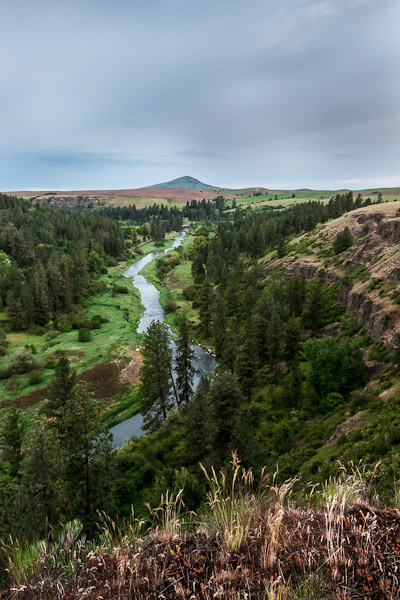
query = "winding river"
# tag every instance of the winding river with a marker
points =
(203, 362)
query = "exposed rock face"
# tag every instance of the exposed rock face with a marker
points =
(379, 252)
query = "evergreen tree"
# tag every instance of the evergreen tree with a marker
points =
(343, 241)
(184, 360)
(205, 307)
(41, 480)
(61, 390)
(292, 340)
(296, 293)
(246, 363)
(87, 458)
(11, 440)
(314, 314)
(199, 424)
(155, 375)
(219, 326)
(37, 296)
(225, 398)
(274, 341)
(396, 350)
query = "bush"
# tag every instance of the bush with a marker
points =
(78, 322)
(35, 376)
(119, 289)
(189, 293)
(12, 384)
(51, 362)
(379, 352)
(100, 319)
(169, 307)
(22, 362)
(350, 325)
(84, 335)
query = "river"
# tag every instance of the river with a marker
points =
(150, 296)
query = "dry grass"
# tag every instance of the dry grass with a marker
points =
(253, 543)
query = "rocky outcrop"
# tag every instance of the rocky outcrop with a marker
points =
(389, 230)
(379, 251)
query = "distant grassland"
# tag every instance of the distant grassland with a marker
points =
(141, 202)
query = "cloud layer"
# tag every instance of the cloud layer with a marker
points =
(284, 93)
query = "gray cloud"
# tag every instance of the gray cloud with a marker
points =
(128, 94)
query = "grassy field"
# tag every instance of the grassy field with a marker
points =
(141, 202)
(96, 360)
(107, 343)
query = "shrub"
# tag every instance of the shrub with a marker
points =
(51, 362)
(379, 352)
(119, 289)
(22, 362)
(100, 318)
(189, 293)
(169, 306)
(84, 335)
(350, 325)
(35, 376)
(12, 384)
(78, 322)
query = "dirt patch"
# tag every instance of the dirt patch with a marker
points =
(174, 282)
(130, 375)
(27, 399)
(103, 380)
(343, 428)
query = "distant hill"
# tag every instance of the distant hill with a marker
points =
(189, 183)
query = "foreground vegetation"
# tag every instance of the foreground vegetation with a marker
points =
(248, 541)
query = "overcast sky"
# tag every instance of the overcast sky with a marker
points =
(128, 93)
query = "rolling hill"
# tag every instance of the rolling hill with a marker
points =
(185, 182)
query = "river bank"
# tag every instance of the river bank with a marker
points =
(150, 299)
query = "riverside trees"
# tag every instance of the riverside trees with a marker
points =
(157, 380)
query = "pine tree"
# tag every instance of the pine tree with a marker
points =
(41, 480)
(61, 390)
(396, 351)
(155, 375)
(343, 241)
(206, 302)
(292, 340)
(38, 309)
(11, 441)
(314, 314)
(225, 399)
(184, 360)
(219, 325)
(296, 293)
(274, 341)
(86, 453)
(199, 424)
(246, 362)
